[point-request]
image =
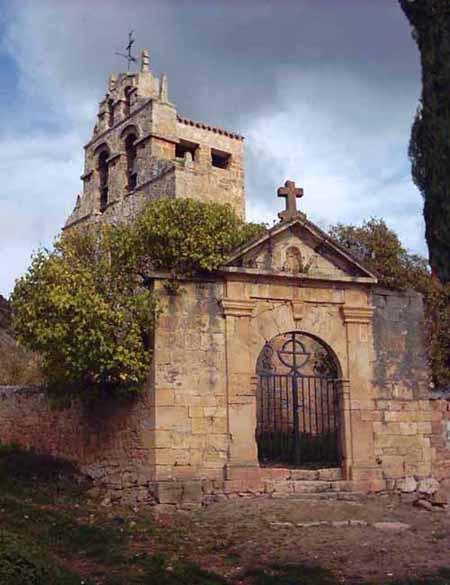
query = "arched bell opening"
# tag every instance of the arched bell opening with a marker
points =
(298, 393)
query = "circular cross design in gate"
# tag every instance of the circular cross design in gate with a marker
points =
(298, 402)
(293, 354)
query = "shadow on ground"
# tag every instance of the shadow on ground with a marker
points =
(52, 533)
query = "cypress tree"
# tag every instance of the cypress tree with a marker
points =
(429, 148)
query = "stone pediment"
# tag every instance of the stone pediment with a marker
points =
(299, 248)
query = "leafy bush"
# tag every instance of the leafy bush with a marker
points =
(379, 248)
(87, 306)
(81, 307)
(437, 306)
(5, 313)
(186, 236)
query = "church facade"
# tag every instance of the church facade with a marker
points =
(287, 371)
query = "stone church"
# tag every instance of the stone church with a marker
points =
(287, 371)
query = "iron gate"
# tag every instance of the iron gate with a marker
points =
(298, 403)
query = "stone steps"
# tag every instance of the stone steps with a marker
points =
(325, 474)
(336, 496)
(307, 486)
(334, 488)
(302, 484)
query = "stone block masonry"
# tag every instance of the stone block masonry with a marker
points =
(440, 437)
(107, 442)
(190, 421)
(403, 415)
(141, 149)
(176, 445)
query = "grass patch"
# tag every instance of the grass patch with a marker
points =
(60, 531)
(157, 570)
(48, 523)
(22, 563)
(52, 534)
(290, 575)
(441, 578)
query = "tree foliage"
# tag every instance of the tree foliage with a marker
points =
(185, 236)
(81, 307)
(379, 248)
(87, 306)
(430, 137)
(5, 314)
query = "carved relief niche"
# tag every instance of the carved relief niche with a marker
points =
(294, 260)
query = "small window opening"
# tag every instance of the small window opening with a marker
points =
(128, 100)
(103, 179)
(220, 159)
(110, 113)
(185, 146)
(130, 149)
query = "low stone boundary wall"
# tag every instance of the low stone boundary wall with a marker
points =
(440, 438)
(106, 441)
(111, 444)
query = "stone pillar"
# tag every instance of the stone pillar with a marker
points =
(359, 404)
(345, 429)
(117, 165)
(241, 385)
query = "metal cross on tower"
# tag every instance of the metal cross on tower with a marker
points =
(290, 192)
(129, 57)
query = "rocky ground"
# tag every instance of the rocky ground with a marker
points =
(376, 539)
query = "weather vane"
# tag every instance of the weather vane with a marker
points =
(129, 57)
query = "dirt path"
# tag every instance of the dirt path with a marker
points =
(245, 533)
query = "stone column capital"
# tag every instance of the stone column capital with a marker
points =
(237, 307)
(357, 314)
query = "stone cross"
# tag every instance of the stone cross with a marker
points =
(290, 192)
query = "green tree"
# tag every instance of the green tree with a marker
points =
(87, 306)
(185, 236)
(379, 248)
(83, 309)
(430, 137)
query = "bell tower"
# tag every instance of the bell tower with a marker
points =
(142, 149)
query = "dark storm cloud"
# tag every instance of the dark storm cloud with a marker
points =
(223, 57)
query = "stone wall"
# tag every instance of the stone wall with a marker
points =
(403, 417)
(440, 438)
(191, 437)
(190, 421)
(400, 368)
(107, 442)
(200, 179)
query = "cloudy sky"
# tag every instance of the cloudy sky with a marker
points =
(323, 90)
